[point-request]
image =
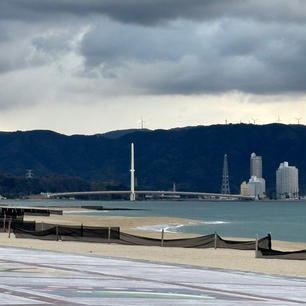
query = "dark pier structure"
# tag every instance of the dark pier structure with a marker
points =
(14, 216)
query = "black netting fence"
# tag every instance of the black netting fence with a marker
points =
(197, 242)
(19, 213)
(36, 212)
(6, 223)
(264, 242)
(274, 254)
(207, 241)
(49, 231)
(11, 212)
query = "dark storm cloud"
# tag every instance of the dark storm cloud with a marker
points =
(154, 11)
(188, 57)
(162, 46)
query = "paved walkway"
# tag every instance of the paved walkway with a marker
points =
(32, 277)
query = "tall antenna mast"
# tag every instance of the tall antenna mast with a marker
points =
(225, 188)
(132, 194)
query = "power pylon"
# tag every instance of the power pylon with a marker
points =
(29, 174)
(225, 188)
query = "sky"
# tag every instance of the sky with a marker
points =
(87, 67)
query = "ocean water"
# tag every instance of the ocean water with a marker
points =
(285, 220)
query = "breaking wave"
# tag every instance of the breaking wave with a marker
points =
(84, 212)
(170, 228)
(174, 227)
(214, 222)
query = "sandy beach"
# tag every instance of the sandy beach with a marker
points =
(217, 258)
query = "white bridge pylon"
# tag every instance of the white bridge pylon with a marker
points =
(132, 194)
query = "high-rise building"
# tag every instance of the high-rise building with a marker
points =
(255, 166)
(287, 181)
(256, 186)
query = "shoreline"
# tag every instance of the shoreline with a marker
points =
(144, 226)
(239, 260)
(203, 226)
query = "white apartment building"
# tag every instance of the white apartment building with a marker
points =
(287, 181)
(256, 187)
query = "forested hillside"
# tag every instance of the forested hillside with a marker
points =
(192, 157)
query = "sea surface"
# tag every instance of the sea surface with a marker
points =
(285, 220)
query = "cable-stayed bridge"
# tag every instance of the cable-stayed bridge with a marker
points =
(170, 194)
(163, 194)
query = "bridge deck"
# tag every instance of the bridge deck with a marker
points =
(152, 192)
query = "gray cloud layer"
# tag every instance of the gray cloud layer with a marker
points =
(154, 11)
(158, 46)
(188, 57)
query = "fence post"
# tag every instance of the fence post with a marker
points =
(256, 246)
(270, 241)
(9, 227)
(56, 231)
(215, 240)
(4, 223)
(162, 238)
(109, 234)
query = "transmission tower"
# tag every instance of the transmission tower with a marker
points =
(225, 188)
(29, 174)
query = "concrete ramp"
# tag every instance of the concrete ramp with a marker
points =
(33, 277)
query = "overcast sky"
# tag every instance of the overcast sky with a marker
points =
(87, 67)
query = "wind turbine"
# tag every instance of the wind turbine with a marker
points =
(254, 120)
(298, 120)
(141, 122)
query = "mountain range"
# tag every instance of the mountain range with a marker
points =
(192, 157)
